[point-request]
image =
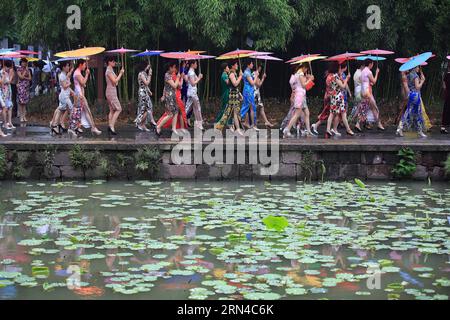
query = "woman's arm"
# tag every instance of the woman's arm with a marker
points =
(373, 80)
(235, 81)
(342, 84)
(144, 79)
(419, 82)
(174, 84)
(251, 81)
(194, 82)
(305, 80)
(115, 80)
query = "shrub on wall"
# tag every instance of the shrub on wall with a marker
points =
(83, 160)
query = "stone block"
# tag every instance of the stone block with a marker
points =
(421, 173)
(229, 171)
(290, 157)
(183, 171)
(378, 172)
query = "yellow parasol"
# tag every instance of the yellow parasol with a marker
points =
(78, 53)
(309, 59)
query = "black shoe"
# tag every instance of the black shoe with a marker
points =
(54, 131)
(110, 131)
(444, 131)
(62, 129)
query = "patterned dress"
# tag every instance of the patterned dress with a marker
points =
(234, 105)
(361, 108)
(337, 96)
(169, 95)
(182, 118)
(78, 106)
(111, 91)
(145, 104)
(5, 90)
(23, 86)
(413, 116)
(249, 96)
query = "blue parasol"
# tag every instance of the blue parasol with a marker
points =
(416, 61)
(373, 58)
(148, 53)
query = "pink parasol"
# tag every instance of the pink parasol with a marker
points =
(448, 57)
(122, 51)
(302, 57)
(199, 57)
(179, 55)
(265, 58)
(377, 52)
(239, 53)
(27, 52)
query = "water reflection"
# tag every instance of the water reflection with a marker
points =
(180, 240)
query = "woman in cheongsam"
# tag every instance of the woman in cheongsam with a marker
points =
(413, 116)
(23, 88)
(169, 98)
(338, 108)
(145, 105)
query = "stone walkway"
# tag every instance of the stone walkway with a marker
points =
(128, 135)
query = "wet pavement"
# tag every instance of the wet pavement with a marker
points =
(128, 134)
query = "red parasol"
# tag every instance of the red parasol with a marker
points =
(340, 58)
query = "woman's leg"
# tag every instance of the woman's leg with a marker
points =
(163, 122)
(174, 122)
(55, 118)
(306, 120)
(330, 122)
(10, 116)
(264, 117)
(376, 112)
(115, 116)
(143, 118)
(345, 121)
(295, 117)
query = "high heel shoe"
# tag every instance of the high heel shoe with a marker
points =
(444, 131)
(330, 132)
(336, 133)
(96, 131)
(399, 132)
(351, 133)
(287, 134)
(314, 129)
(358, 129)
(73, 133)
(54, 131)
(62, 129)
(112, 132)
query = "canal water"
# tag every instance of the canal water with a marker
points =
(224, 240)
